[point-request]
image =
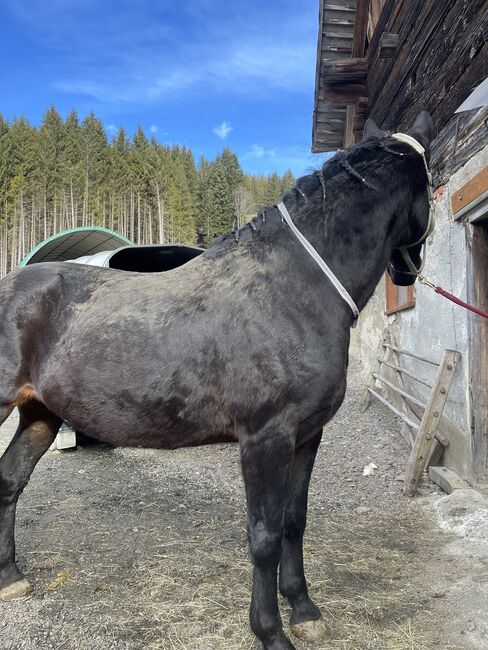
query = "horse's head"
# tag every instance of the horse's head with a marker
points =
(406, 261)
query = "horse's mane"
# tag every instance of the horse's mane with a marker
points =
(304, 193)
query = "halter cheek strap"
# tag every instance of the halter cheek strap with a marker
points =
(416, 146)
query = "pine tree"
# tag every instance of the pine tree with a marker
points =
(95, 165)
(118, 183)
(233, 178)
(66, 174)
(50, 159)
(160, 176)
(73, 165)
(287, 182)
(20, 147)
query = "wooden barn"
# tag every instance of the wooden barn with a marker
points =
(389, 59)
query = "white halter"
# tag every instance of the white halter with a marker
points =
(328, 272)
(415, 144)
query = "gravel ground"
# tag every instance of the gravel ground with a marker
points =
(132, 549)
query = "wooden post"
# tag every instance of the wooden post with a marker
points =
(349, 127)
(360, 27)
(478, 348)
(353, 131)
(430, 421)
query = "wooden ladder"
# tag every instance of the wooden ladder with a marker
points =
(421, 419)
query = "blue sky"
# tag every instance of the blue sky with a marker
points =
(205, 73)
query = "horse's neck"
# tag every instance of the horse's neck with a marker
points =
(356, 246)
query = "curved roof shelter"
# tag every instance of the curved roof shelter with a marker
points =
(98, 246)
(73, 243)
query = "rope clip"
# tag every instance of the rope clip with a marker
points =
(424, 280)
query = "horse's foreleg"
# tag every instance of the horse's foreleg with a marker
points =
(266, 458)
(37, 429)
(306, 620)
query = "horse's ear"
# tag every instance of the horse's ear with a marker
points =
(422, 129)
(372, 131)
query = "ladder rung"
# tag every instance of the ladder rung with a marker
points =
(398, 390)
(401, 415)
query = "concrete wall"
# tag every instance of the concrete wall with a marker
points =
(434, 324)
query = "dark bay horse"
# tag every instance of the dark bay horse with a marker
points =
(249, 341)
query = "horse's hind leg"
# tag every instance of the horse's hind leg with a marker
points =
(306, 619)
(37, 429)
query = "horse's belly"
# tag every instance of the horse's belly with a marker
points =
(147, 411)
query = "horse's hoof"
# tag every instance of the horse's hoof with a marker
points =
(18, 589)
(311, 631)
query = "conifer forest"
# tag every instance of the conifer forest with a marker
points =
(68, 173)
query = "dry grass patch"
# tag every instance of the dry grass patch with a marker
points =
(365, 573)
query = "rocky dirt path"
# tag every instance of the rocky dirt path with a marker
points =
(136, 549)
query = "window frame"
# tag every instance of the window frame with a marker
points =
(392, 304)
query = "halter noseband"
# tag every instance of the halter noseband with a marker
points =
(413, 270)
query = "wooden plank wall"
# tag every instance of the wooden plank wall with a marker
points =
(441, 58)
(336, 33)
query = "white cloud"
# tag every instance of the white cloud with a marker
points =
(153, 128)
(97, 90)
(240, 69)
(175, 81)
(111, 128)
(257, 151)
(223, 130)
(260, 63)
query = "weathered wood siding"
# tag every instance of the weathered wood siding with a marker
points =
(335, 41)
(442, 56)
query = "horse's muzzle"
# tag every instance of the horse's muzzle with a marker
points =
(402, 279)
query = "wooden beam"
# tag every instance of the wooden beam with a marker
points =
(333, 7)
(375, 9)
(477, 276)
(470, 191)
(343, 94)
(349, 126)
(358, 49)
(358, 126)
(344, 71)
(388, 45)
(384, 18)
(344, 80)
(360, 27)
(447, 479)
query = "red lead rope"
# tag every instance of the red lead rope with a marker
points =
(454, 299)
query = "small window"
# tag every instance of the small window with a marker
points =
(398, 298)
